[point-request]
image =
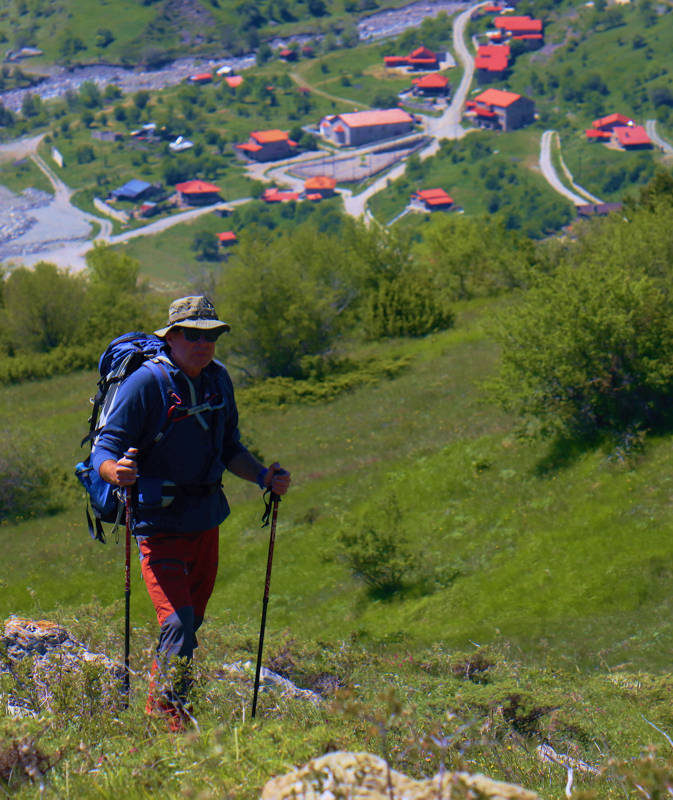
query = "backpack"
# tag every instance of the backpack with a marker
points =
(123, 356)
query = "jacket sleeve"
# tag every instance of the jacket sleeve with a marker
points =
(231, 444)
(137, 413)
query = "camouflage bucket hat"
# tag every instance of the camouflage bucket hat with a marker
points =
(195, 311)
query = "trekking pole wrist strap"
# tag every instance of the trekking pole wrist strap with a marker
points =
(260, 478)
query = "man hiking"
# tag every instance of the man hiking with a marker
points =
(171, 440)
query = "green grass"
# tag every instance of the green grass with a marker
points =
(167, 257)
(548, 571)
(24, 175)
(484, 172)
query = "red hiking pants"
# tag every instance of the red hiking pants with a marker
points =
(179, 572)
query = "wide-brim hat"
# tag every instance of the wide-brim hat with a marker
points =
(195, 311)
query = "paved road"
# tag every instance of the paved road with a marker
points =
(550, 173)
(445, 127)
(651, 128)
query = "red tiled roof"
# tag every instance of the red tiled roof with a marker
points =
(493, 50)
(591, 133)
(277, 196)
(497, 97)
(389, 116)
(423, 52)
(433, 197)
(234, 80)
(266, 137)
(202, 76)
(492, 57)
(395, 61)
(485, 112)
(524, 24)
(491, 9)
(528, 37)
(196, 187)
(314, 196)
(251, 146)
(610, 121)
(432, 81)
(319, 182)
(227, 236)
(631, 135)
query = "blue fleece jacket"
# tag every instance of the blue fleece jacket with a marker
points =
(193, 454)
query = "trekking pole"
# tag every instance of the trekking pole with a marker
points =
(274, 499)
(128, 502)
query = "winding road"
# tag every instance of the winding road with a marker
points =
(550, 173)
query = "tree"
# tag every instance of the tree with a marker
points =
(116, 299)
(589, 349)
(89, 95)
(395, 295)
(104, 37)
(474, 257)
(141, 99)
(287, 299)
(264, 53)
(206, 245)
(43, 307)
(84, 154)
(31, 105)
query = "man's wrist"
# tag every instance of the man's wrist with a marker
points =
(260, 478)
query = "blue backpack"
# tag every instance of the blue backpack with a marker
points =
(123, 356)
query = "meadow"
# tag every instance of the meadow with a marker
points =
(534, 605)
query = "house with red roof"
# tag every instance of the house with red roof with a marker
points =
(288, 54)
(273, 195)
(202, 77)
(431, 85)
(360, 127)
(431, 200)
(631, 137)
(522, 28)
(420, 58)
(227, 238)
(321, 185)
(501, 110)
(598, 136)
(270, 145)
(233, 80)
(198, 193)
(610, 122)
(492, 61)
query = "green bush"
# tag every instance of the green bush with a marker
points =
(24, 480)
(376, 549)
(410, 304)
(590, 350)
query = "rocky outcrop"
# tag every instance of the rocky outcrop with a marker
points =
(41, 656)
(362, 776)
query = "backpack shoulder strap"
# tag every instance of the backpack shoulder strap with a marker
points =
(158, 366)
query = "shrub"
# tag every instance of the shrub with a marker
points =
(408, 305)
(24, 480)
(590, 350)
(375, 549)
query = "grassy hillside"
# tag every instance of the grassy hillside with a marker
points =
(534, 579)
(152, 31)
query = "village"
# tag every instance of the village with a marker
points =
(341, 150)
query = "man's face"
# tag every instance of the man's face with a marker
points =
(190, 356)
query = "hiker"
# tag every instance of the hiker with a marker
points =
(178, 499)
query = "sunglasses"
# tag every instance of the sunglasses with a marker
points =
(194, 334)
